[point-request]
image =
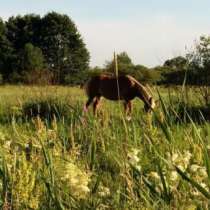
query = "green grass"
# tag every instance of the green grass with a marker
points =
(72, 161)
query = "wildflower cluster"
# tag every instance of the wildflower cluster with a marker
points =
(76, 179)
(103, 191)
(133, 158)
(25, 190)
(182, 161)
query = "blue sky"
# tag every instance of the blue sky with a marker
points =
(149, 31)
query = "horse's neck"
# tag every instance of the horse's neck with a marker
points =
(143, 93)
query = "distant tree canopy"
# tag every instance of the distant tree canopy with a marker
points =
(195, 67)
(31, 43)
(199, 62)
(173, 70)
(124, 63)
(126, 66)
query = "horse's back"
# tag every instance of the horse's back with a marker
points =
(110, 86)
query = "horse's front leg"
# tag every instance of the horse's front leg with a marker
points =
(96, 104)
(90, 99)
(128, 109)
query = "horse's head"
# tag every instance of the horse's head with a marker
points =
(150, 105)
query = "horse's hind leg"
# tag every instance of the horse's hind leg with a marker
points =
(96, 104)
(128, 109)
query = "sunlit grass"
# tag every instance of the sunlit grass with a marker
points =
(77, 161)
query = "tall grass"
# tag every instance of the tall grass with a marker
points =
(71, 161)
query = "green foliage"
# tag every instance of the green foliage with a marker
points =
(124, 64)
(194, 66)
(76, 78)
(32, 58)
(46, 109)
(62, 45)
(103, 162)
(177, 63)
(30, 43)
(199, 62)
(173, 70)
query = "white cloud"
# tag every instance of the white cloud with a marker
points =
(147, 41)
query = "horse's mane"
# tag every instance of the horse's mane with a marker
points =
(142, 88)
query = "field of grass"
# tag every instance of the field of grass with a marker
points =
(52, 156)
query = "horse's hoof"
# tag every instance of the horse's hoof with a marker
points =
(85, 109)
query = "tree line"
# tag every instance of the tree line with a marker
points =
(50, 50)
(34, 48)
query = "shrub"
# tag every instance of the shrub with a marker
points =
(46, 109)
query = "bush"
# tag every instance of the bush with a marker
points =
(46, 109)
(39, 77)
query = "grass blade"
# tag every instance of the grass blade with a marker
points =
(193, 183)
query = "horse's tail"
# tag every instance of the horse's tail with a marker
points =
(87, 87)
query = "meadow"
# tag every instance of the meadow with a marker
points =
(52, 156)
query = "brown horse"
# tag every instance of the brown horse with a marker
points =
(124, 88)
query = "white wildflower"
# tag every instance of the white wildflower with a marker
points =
(7, 144)
(194, 168)
(181, 160)
(133, 157)
(104, 191)
(2, 136)
(173, 176)
(134, 151)
(138, 167)
(187, 156)
(83, 189)
(174, 157)
(154, 175)
(76, 179)
(51, 134)
(134, 160)
(202, 172)
(204, 185)
(195, 193)
(73, 180)
(181, 167)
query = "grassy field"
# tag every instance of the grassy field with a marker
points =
(54, 157)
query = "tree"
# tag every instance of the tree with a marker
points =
(33, 66)
(6, 51)
(145, 75)
(32, 58)
(62, 45)
(125, 64)
(177, 63)
(55, 36)
(23, 29)
(199, 62)
(173, 70)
